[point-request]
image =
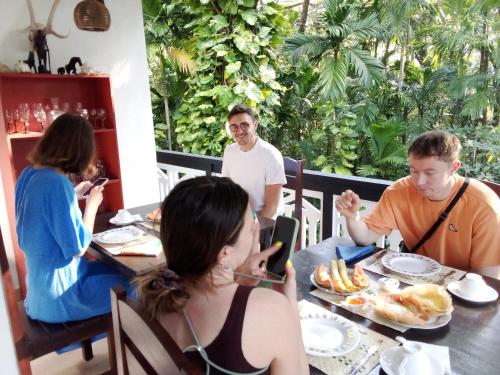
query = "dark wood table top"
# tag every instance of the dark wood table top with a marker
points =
(132, 266)
(473, 334)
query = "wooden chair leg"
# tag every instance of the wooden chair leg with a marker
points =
(87, 350)
(111, 352)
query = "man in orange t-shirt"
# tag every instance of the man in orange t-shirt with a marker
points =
(468, 239)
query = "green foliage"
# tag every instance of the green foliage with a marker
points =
(236, 62)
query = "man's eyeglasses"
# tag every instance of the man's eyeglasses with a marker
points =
(243, 126)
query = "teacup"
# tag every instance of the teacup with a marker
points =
(472, 285)
(414, 360)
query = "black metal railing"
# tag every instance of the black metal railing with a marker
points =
(329, 184)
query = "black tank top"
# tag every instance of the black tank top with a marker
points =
(225, 350)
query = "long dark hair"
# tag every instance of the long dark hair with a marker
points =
(198, 218)
(67, 144)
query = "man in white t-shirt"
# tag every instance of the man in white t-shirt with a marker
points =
(254, 164)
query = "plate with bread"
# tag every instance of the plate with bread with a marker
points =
(338, 280)
(154, 216)
(423, 306)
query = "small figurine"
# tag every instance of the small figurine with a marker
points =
(30, 61)
(61, 70)
(4, 68)
(71, 67)
(87, 69)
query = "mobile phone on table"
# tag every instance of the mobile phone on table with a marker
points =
(285, 230)
(99, 182)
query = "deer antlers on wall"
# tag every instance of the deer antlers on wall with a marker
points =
(38, 37)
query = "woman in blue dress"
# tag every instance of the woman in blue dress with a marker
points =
(62, 285)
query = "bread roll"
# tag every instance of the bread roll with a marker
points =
(385, 306)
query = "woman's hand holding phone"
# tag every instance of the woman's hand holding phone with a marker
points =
(82, 188)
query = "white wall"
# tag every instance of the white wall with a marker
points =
(7, 354)
(120, 52)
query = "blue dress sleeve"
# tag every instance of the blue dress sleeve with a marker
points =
(65, 219)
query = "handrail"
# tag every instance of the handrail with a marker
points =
(329, 184)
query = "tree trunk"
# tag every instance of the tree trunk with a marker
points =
(303, 17)
(483, 65)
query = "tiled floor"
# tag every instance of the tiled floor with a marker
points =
(72, 363)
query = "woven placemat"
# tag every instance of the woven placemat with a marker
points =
(344, 364)
(367, 313)
(444, 277)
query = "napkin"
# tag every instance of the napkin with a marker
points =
(352, 253)
(129, 217)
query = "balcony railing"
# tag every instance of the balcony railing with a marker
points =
(320, 219)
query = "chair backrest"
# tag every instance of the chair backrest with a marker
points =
(142, 345)
(294, 172)
(493, 186)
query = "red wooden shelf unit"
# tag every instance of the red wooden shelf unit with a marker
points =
(91, 91)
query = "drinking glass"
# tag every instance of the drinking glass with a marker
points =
(24, 109)
(17, 117)
(65, 107)
(9, 117)
(39, 114)
(93, 117)
(55, 112)
(101, 115)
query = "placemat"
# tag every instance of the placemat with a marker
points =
(343, 365)
(367, 313)
(150, 225)
(444, 277)
(146, 245)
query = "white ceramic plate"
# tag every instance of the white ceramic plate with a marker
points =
(331, 290)
(488, 295)
(437, 322)
(391, 358)
(329, 336)
(119, 235)
(410, 264)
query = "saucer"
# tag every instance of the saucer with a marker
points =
(115, 221)
(391, 358)
(488, 294)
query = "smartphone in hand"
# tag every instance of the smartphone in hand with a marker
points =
(285, 230)
(99, 182)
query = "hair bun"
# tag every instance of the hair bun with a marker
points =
(167, 280)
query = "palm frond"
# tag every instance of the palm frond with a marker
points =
(183, 60)
(366, 67)
(333, 75)
(305, 45)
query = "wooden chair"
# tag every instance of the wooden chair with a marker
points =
(34, 338)
(493, 186)
(143, 346)
(294, 172)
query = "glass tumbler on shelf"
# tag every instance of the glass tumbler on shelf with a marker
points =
(81, 111)
(24, 110)
(17, 118)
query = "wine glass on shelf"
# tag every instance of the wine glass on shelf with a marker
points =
(81, 111)
(39, 114)
(93, 117)
(101, 115)
(24, 109)
(55, 112)
(17, 118)
(9, 117)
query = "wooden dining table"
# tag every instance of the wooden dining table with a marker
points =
(473, 334)
(132, 266)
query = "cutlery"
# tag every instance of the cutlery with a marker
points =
(371, 351)
(443, 279)
(376, 257)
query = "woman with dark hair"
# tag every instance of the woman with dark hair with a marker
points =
(61, 284)
(208, 232)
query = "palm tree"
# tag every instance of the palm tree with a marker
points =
(338, 49)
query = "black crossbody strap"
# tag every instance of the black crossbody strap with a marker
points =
(443, 216)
